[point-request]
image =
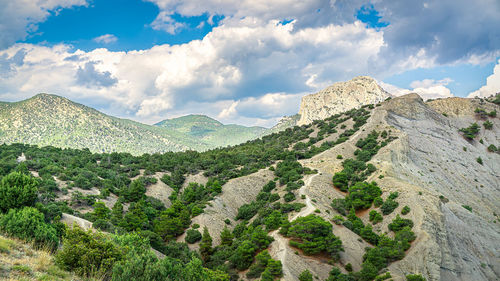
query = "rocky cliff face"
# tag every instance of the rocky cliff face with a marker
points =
(340, 97)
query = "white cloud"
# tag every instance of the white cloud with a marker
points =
(426, 89)
(165, 22)
(106, 39)
(263, 68)
(19, 18)
(492, 84)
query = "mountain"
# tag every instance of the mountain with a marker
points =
(211, 131)
(404, 186)
(56, 121)
(52, 120)
(340, 97)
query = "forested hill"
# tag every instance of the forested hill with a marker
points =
(52, 120)
(211, 131)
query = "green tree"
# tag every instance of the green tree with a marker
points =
(226, 237)
(206, 245)
(29, 224)
(135, 191)
(17, 190)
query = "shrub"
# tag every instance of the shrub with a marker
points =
(393, 195)
(348, 267)
(29, 224)
(313, 235)
(289, 197)
(306, 276)
(492, 148)
(17, 190)
(405, 210)
(377, 202)
(415, 277)
(398, 223)
(338, 220)
(468, 208)
(362, 194)
(88, 254)
(192, 236)
(488, 125)
(470, 132)
(479, 160)
(375, 217)
(492, 113)
(339, 156)
(389, 206)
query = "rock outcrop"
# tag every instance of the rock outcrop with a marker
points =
(340, 97)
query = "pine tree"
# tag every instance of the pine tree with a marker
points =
(206, 245)
(226, 237)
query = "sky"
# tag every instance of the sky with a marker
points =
(247, 62)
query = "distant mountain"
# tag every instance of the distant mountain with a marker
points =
(52, 120)
(211, 131)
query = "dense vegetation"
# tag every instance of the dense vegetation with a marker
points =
(140, 222)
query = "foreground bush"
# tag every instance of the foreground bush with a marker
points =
(17, 190)
(29, 224)
(88, 254)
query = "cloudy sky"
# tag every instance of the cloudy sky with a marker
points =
(246, 61)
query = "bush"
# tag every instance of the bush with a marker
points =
(29, 224)
(375, 217)
(470, 132)
(388, 206)
(306, 276)
(313, 235)
(468, 208)
(492, 148)
(488, 125)
(289, 197)
(415, 277)
(362, 194)
(17, 190)
(398, 223)
(405, 210)
(479, 160)
(88, 254)
(192, 236)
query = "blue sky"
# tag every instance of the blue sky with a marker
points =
(246, 62)
(128, 20)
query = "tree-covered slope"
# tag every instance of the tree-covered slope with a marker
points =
(211, 131)
(56, 121)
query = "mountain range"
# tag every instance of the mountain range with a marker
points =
(50, 120)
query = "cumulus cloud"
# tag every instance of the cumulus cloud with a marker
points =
(257, 63)
(492, 84)
(106, 39)
(90, 77)
(232, 64)
(426, 89)
(19, 18)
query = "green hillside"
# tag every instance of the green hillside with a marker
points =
(211, 131)
(52, 120)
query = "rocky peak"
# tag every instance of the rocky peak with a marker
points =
(340, 97)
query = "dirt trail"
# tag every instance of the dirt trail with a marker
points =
(281, 243)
